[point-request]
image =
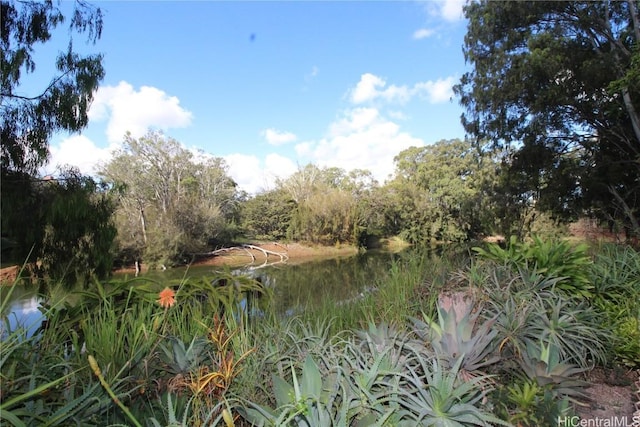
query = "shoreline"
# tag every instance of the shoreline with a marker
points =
(238, 256)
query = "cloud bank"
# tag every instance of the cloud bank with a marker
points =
(135, 111)
(276, 137)
(371, 88)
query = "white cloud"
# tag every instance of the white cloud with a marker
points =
(362, 139)
(371, 87)
(354, 120)
(313, 74)
(398, 115)
(244, 169)
(277, 166)
(276, 137)
(367, 90)
(253, 176)
(451, 10)
(439, 91)
(423, 33)
(78, 151)
(136, 111)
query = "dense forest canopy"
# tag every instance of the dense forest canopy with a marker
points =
(556, 85)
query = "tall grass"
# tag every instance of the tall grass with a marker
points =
(410, 286)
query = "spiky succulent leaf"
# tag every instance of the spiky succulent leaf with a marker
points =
(311, 382)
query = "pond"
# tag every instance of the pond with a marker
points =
(294, 286)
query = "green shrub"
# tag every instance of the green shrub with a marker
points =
(616, 276)
(551, 258)
(525, 403)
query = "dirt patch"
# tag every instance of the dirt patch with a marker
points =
(613, 396)
(9, 274)
(291, 253)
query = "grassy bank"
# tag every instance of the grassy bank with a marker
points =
(505, 337)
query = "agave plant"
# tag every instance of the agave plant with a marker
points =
(438, 397)
(527, 308)
(306, 402)
(542, 363)
(459, 338)
(383, 338)
(181, 359)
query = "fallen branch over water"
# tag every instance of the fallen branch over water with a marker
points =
(246, 248)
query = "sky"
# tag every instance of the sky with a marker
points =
(272, 86)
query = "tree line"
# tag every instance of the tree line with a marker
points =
(553, 134)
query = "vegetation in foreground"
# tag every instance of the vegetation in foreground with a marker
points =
(502, 338)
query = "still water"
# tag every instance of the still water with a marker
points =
(294, 286)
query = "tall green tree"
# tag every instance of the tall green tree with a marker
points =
(330, 205)
(28, 120)
(556, 84)
(63, 226)
(268, 215)
(170, 202)
(441, 192)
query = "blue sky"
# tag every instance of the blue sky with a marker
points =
(271, 86)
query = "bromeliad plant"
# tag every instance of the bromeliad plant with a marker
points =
(439, 397)
(375, 377)
(460, 338)
(310, 401)
(616, 275)
(544, 389)
(527, 404)
(542, 363)
(526, 308)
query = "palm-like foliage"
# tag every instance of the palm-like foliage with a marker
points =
(569, 264)
(439, 398)
(462, 340)
(526, 309)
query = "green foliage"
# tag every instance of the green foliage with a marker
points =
(543, 391)
(331, 206)
(527, 308)
(552, 258)
(307, 401)
(139, 353)
(527, 404)
(63, 226)
(170, 205)
(202, 360)
(627, 340)
(616, 275)
(542, 363)
(268, 215)
(539, 89)
(28, 121)
(440, 192)
(376, 377)
(456, 338)
(446, 400)
(328, 217)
